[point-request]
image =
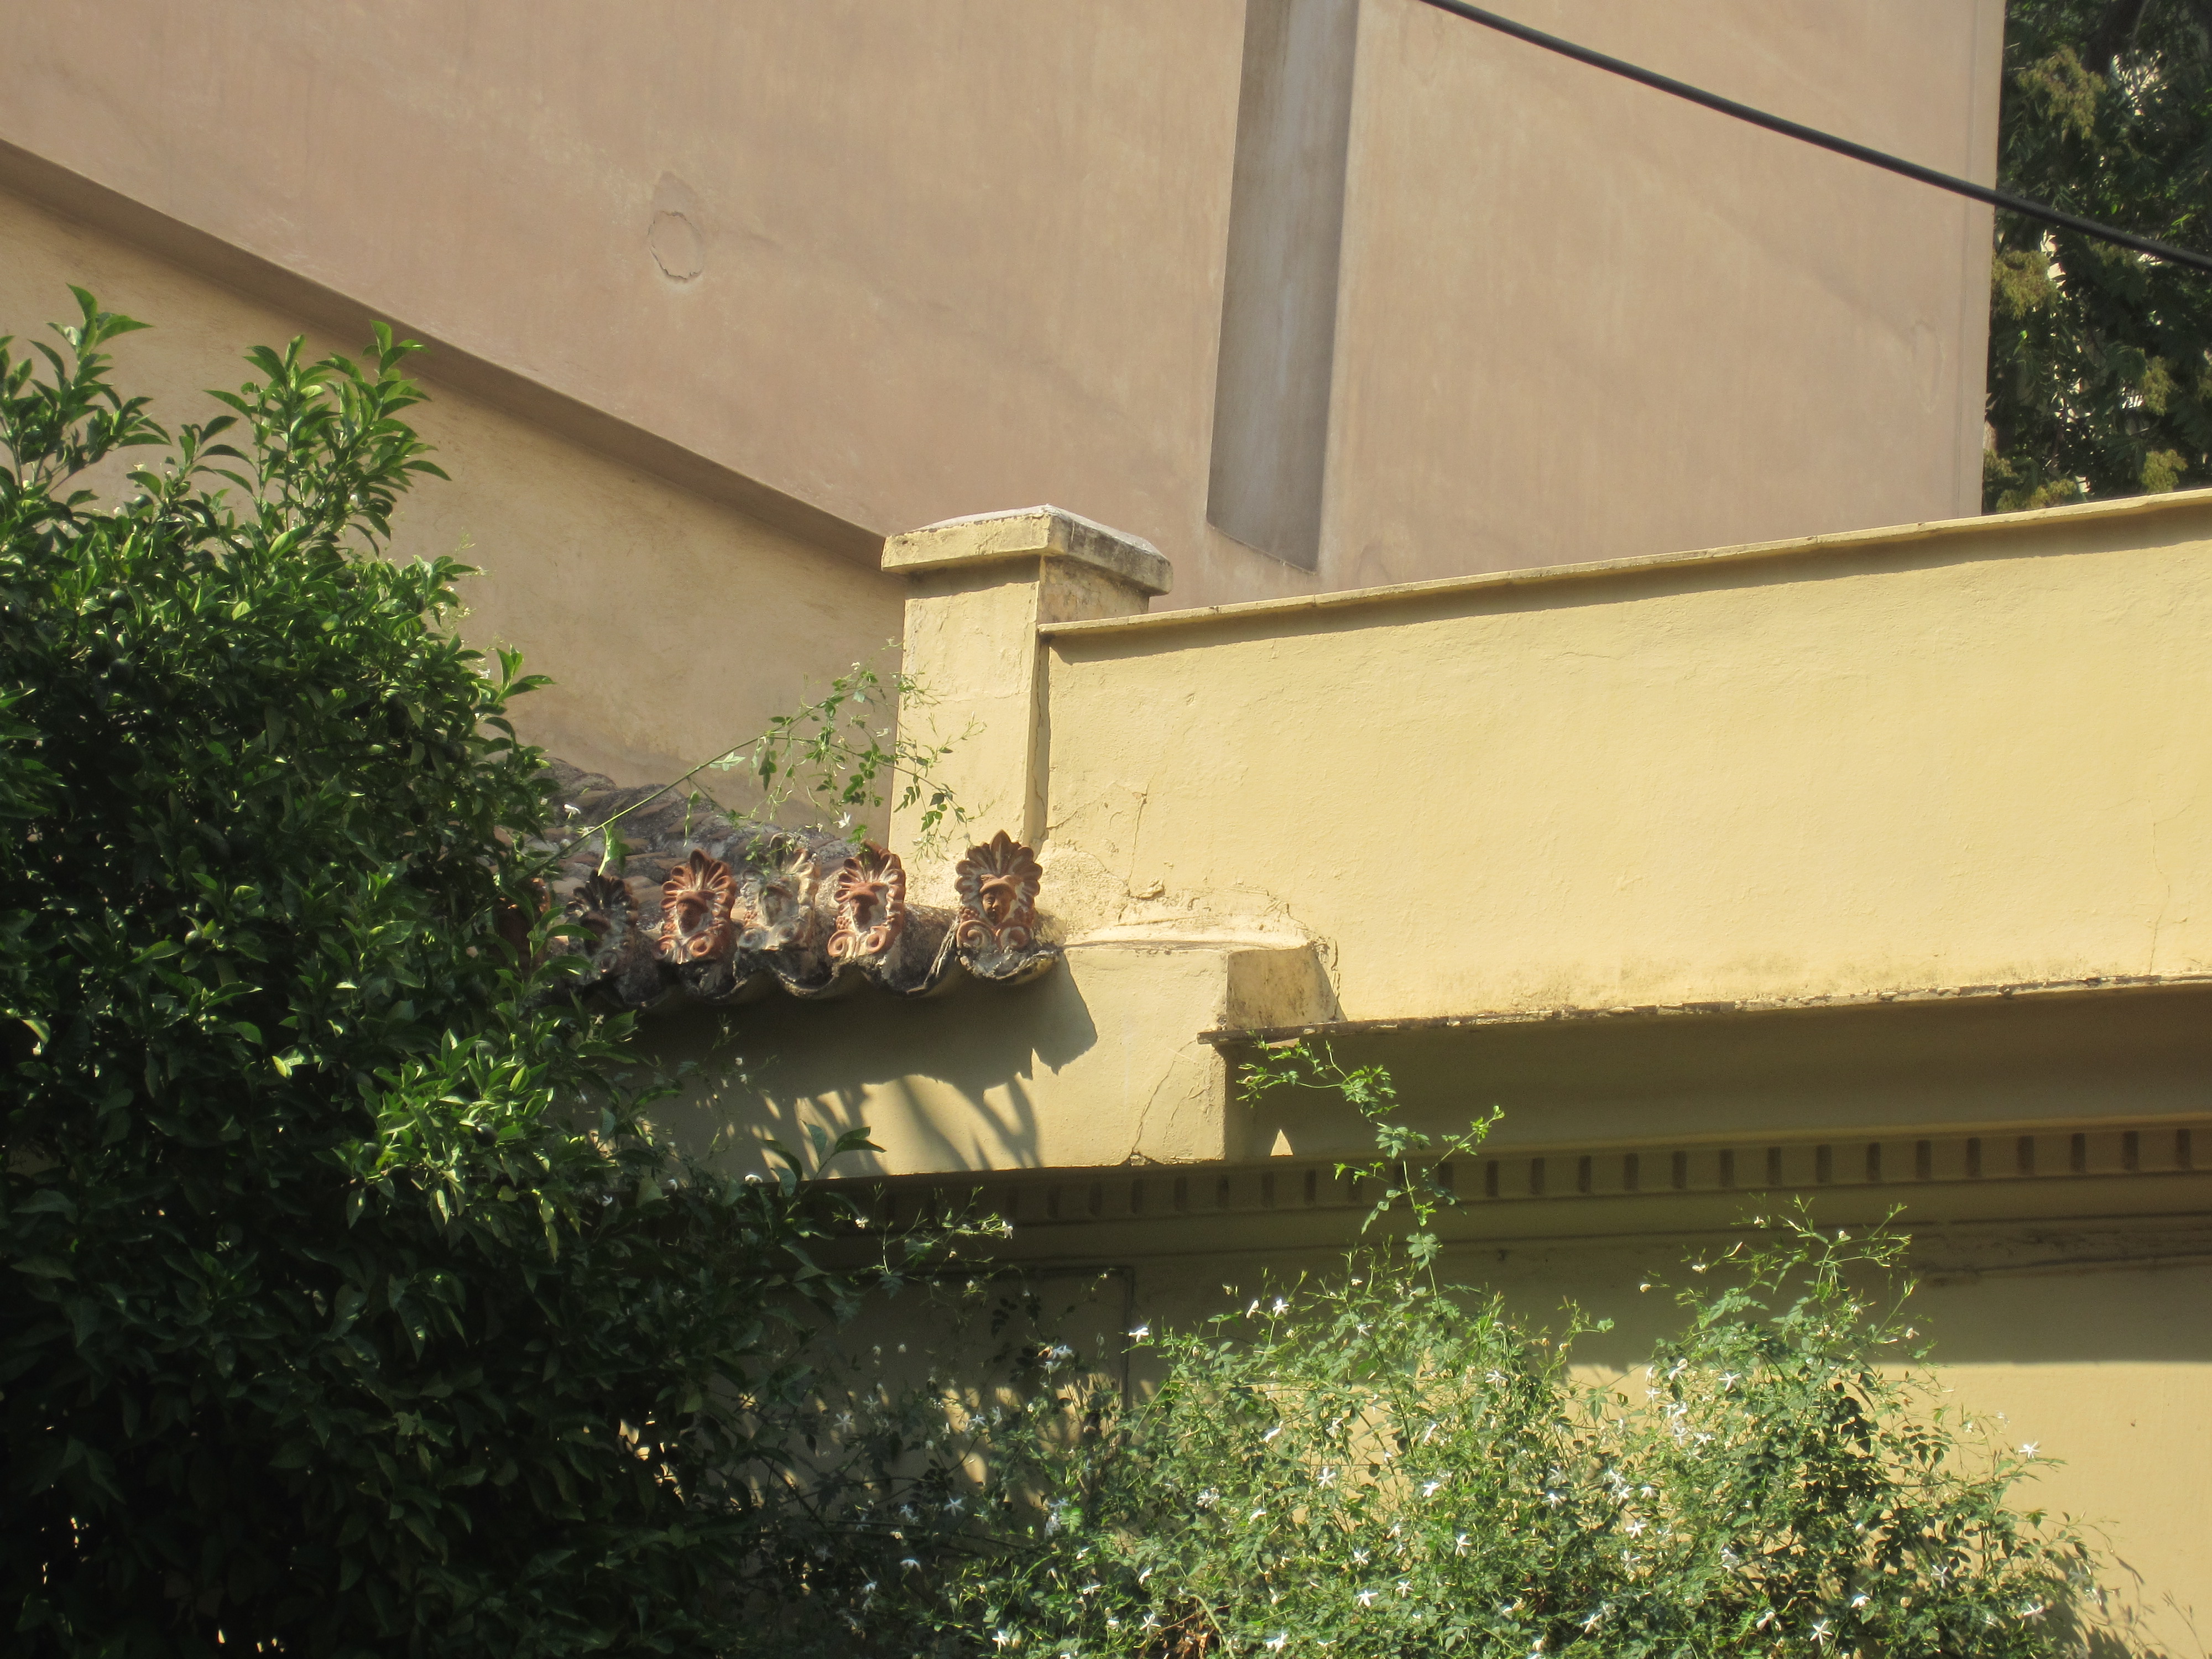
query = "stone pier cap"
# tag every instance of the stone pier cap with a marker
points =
(984, 538)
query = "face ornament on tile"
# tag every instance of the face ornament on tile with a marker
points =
(870, 896)
(698, 910)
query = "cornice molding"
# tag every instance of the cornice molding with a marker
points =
(1885, 1170)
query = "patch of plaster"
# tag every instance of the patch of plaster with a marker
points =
(673, 237)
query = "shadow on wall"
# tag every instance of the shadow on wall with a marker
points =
(925, 1072)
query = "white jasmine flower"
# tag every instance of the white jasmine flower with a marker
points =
(1820, 1630)
(1860, 1599)
(1365, 1598)
(2028, 1450)
(1278, 1306)
(1140, 1333)
(1432, 1488)
(1459, 1545)
(1278, 1642)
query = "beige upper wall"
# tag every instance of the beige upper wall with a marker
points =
(1582, 319)
(952, 255)
(672, 626)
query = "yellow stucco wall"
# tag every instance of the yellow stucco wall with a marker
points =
(1947, 756)
(672, 626)
(1971, 754)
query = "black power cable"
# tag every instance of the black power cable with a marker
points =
(1828, 141)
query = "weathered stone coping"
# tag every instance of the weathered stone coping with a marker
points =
(1985, 536)
(1029, 532)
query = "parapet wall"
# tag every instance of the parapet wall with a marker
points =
(1955, 754)
(1967, 757)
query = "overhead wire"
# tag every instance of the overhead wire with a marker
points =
(2024, 205)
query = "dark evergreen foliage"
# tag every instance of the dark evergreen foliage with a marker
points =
(2100, 359)
(346, 1305)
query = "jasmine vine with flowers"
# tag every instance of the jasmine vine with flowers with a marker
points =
(1384, 1463)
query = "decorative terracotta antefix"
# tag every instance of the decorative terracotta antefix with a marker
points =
(869, 894)
(997, 884)
(778, 896)
(698, 911)
(721, 911)
(601, 904)
(624, 962)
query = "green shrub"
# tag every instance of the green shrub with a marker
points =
(346, 1303)
(1382, 1465)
